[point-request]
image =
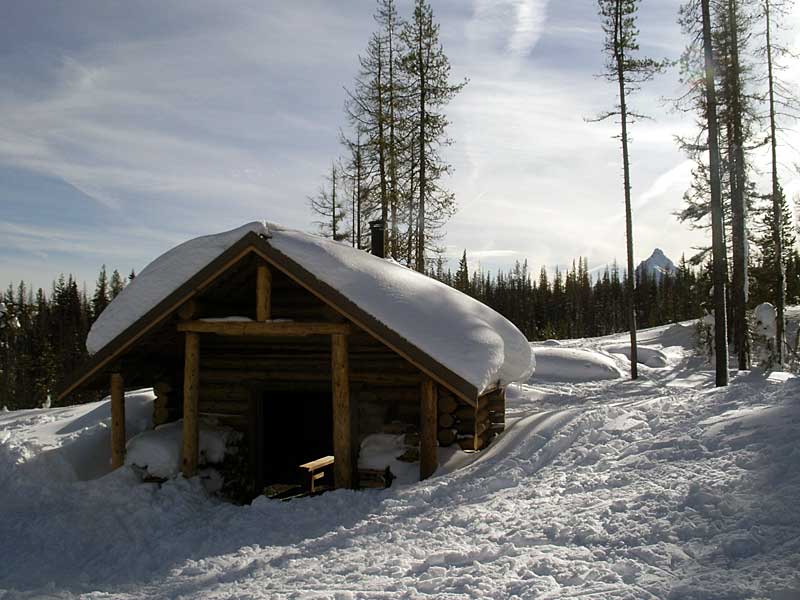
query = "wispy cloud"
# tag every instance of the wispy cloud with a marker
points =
(512, 26)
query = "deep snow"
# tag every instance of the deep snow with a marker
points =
(662, 488)
(471, 339)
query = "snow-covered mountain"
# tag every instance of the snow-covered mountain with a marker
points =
(658, 264)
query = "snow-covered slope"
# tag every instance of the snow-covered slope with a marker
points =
(657, 264)
(468, 337)
(661, 488)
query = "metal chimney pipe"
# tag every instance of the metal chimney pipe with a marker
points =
(377, 233)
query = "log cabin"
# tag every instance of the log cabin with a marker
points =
(306, 346)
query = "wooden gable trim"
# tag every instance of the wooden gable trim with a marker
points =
(158, 313)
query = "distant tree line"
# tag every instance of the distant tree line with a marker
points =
(43, 337)
(575, 303)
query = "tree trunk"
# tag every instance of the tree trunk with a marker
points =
(717, 230)
(780, 287)
(738, 205)
(392, 150)
(627, 184)
(420, 262)
(382, 146)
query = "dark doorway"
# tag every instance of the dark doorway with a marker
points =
(291, 427)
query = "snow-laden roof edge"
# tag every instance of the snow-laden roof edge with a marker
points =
(460, 333)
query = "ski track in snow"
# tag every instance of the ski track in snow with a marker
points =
(661, 488)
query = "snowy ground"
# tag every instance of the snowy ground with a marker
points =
(661, 488)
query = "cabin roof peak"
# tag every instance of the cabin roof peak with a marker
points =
(462, 343)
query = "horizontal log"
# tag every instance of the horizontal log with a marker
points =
(447, 403)
(374, 478)
(268, 328)
(446, 437)
(467, 413)
(243, 377)
(446, 421)
(473, 442)
(223, 415)
(301, 364)
(495, 400)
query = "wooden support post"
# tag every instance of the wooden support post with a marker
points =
(428, 429)
(191, 389)
(263, 293)
(188, 310)
(117, 421)
(343, 472)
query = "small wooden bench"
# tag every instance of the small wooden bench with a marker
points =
(315, 470)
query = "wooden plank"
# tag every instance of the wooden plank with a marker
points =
(263, 293)
(117, 421)
(428, 429)
(254, 328)
(316, 464)
(191, 395)
(342, 422)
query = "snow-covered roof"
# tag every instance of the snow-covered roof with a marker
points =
(460, 333)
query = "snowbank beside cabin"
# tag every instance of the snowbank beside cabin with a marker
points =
(158, 451)
(67, 444)
(469, 338)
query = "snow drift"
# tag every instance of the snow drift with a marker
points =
(651, 357)
(554, 363)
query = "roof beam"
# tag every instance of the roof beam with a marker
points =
(264, 329)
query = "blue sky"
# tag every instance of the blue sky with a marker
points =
(129, 127)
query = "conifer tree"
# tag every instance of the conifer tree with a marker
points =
(116, 284)
(330, 208)
(101, 296)
(426, 74)
(462, 275)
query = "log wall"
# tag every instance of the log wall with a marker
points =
(384, 389)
